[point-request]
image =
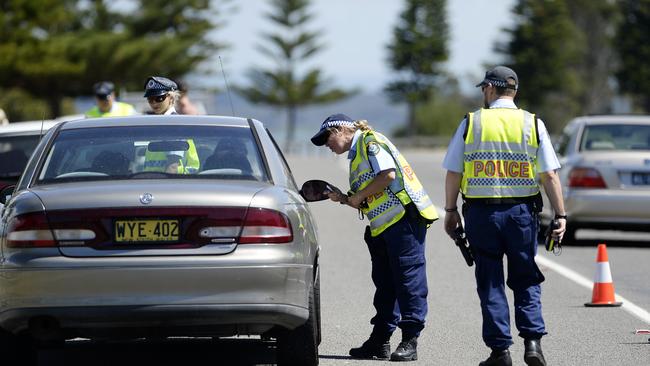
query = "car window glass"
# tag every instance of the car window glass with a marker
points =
(31, 164)
(285, 165)
(562, 144)
(615, 137)
(14, 152)
(197, 152)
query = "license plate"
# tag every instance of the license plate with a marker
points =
(139, 231)
(641, 178)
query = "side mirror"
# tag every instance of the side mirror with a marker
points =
(317, 190)
(5, 193)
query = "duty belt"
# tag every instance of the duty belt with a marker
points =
(500, 201)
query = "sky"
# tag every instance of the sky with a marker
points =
(356, 32)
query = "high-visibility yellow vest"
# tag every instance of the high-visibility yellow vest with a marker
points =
(387, 207)
(500, 158)
(156, 161)
(119, 109)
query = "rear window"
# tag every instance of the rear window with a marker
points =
(615, 137)
(14, 153)
(153, 152)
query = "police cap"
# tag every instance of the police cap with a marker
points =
(339, 119)
(499, 76)
(103, 89)
(158, 85)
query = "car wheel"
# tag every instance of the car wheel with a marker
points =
(17, 350)
(299, 347)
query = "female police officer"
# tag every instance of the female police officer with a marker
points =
(162, 93)
(384, 185)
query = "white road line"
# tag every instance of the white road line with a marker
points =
(628, 305)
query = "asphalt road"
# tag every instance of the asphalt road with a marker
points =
(577, 335)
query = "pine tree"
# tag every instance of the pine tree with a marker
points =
(418, 49)
(633, 45)
(55, 49)
(289, 46)
(544, 50)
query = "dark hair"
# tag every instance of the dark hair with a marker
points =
(509, 90)
(182, 86)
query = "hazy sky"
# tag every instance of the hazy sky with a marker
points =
(356, 32)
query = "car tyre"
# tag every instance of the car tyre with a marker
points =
(317, 307)
(299, 347)
(18, 350)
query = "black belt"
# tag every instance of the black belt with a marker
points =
(500, 201)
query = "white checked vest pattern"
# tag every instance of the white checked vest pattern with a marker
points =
(387, 207)
(500, 158)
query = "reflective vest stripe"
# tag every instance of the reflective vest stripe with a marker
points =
(387, 207)
(500, 154)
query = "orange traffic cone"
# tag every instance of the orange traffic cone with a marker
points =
(603, 294)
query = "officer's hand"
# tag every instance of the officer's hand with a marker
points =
(452, 220)
(337, 197)
(559, 232)
(355, 200)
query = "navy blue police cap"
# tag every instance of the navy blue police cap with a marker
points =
(158, 85)
(339, 119)
(500, 76)
(103, 89)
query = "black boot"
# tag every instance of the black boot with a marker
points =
(377, 346)
(498, 358)
(407, 349)
(533, 355)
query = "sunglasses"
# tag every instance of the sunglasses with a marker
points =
(158, 99)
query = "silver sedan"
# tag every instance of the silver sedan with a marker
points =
(605, 173)
(159, 226)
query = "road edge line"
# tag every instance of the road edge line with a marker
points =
(570, 274)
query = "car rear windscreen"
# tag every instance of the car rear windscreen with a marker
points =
(153, 152)
(615, 137)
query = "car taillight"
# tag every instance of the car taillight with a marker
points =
(586, 178)
(30, 231)
(265, 226)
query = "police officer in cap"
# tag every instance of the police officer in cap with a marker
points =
(385, 189)
(107, 106)
(162, 94)
(494, 159)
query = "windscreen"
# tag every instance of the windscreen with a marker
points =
(153, 152)
(615, 137)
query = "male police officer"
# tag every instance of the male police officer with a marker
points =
(494, 160)
(107, 106)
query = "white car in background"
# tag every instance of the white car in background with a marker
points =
(605, 174)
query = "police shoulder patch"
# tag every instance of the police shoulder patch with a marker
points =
(373, 148)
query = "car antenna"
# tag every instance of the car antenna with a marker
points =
(227, 87)
(40, 136)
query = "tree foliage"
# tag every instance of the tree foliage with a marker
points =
(544, 49)
(417, 52)
(633, 45)
(289, 46)
(595, 21)
(58, 48)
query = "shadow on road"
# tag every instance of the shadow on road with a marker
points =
(161, 353)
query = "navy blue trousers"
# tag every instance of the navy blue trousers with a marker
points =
(399, 275)
(492, 231)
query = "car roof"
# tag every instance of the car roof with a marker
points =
(27, 127)
(612, 119)
(156, 120)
